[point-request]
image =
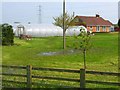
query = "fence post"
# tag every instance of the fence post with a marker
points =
(82, 78)
(29, 76)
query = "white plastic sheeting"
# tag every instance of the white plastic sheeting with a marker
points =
(45, 30)
(75, 30)
(41, 30)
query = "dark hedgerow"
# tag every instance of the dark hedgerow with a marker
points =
(119, 22)
(7, 34)
(0, 34)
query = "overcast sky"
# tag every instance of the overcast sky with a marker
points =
(25, 12)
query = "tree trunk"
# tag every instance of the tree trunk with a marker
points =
(84, 53)
(64, 44)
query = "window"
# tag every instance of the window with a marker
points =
(104, 28)
(98, 29)
(91, 28)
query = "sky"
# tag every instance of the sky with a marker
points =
(24, 12)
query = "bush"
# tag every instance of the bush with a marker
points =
(7, 34)
(0, 34)
(119, 22)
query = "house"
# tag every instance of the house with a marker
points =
(93, 23)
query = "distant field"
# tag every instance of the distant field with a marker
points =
(103, 56)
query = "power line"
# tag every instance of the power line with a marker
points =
(39, 15)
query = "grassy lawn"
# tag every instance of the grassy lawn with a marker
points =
(103, 56)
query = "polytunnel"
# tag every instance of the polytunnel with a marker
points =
(45, 30)
(75, 30)
(39, 30)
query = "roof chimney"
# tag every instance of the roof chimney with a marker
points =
(73, 14)
(97, 15)
(29, 22)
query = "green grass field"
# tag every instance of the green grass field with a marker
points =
(103, 56)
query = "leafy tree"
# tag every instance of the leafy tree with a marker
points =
(82, 42)
(0, 34)
(0, 30)
(119, 22)
(58, 21)
(7, 34)
(85, 45)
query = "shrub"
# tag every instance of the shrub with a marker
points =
(119, 22)
(7, 34)
(0, 34)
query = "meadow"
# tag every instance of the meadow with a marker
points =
(102, 56)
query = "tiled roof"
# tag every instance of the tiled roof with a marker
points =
(91, 21)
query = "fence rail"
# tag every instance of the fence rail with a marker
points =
(8, 66)
(81, 80)
(58, 70)
(100, 82)
(10, 81)
(56, 78)
(103, 73)
(11, 74)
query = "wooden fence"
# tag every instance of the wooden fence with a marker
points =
(81, 80)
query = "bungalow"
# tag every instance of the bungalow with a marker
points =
(93, 23)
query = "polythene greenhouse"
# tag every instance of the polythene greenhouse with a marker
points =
(45, 30)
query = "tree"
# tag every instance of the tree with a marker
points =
(83, 43)
(58, 21)
(0, 34)
(119, 22)
(7, 35)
